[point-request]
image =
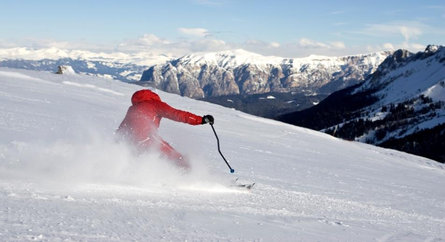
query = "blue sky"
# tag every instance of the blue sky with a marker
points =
(283, 28)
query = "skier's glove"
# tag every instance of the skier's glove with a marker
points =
(208, 119)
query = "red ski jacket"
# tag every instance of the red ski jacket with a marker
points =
(143, 117)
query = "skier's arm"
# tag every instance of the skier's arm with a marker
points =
(169, 112)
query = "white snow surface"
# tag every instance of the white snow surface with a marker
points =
(63, 177)
(422, 76)
(436, 92)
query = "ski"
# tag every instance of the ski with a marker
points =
(247, 186)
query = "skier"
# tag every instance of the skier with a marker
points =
(141, 123)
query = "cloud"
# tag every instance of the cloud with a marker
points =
(307, 43)
(274, 44)
(150, 45)
(204, 45)
(413, 47)
(407, 30)
(388, 46)
(36, 43)
(312, 44)
(338, 45)
(263, 44)
(196, 32)
(151, 39)
(153, 44)
(143, 42)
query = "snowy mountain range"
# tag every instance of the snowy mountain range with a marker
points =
(242, 72)
(64, 178)
(401, 105)
(120, 66)
(206, 74)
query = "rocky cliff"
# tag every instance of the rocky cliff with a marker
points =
(242, 72)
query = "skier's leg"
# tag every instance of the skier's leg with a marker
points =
(174, 155)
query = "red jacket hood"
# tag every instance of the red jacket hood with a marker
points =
(144, 95)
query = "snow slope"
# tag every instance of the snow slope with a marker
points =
(62, 177)
(412, 78)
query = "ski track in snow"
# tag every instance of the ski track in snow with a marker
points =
(92, 87)
(63, 178)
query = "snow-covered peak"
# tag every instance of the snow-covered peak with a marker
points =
(140, 58)
(432, 48)
(229, 58)
(317, 57)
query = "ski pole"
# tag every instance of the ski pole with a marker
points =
(219, 150)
